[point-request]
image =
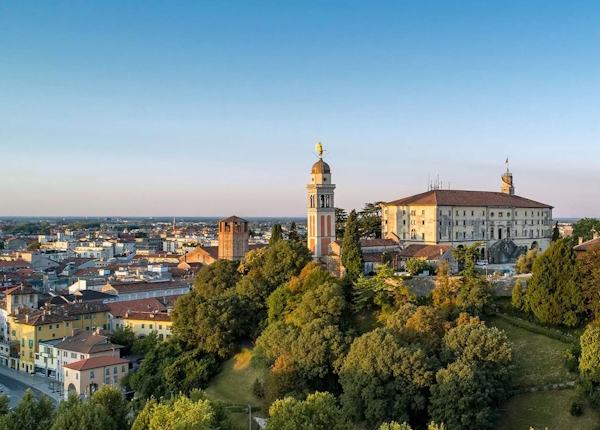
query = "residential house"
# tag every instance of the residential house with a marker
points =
(85, 377)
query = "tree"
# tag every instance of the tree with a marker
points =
(526, 261)
(553, 292)
(113, 400)
(474, 295)
(445, 291)
(352, 258)
(463, 397)
(276, 234)
(340, 223)
(125, 337)
(4, 405)
(179, 413)
(211, 324)
(145, 344)
(589, 266)
(75, 414)
(584, 228)
(467, 258)
(217, 278)
(31, 414)
(318, 412)
(555, 233)
(284, 260)
(326, 301)
(34, 246)
(293, 234)
(589, 363)
(414, 266)
(517, 295)
(382, 379)
(384, 289)
(190, 371)
(369, 221)
(395, 426)
(476, 343)
(425, 327)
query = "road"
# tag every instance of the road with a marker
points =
(16, 389)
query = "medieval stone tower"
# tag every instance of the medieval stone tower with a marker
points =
(507, 184)
(233, 238)
(321, 209)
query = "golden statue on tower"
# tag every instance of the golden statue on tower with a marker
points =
(320, 150)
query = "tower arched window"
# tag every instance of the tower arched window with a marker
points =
(322, 201)
(312, 201)
(327, 201)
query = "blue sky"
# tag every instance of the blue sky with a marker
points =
(208, 108)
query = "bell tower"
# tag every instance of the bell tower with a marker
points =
(321, 208)
(507, 182)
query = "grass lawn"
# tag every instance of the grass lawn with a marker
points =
(538, 359)
(234, 385)
(545, 409)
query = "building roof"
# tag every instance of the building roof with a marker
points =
(15, 263)
(87, 342)
(95, 363)
(320, 167)
(20, 290)
(147, 316)
(428, 252)
(233, 219)
(377, 257)
(67, 312)
(366, 243)
(119, 309)
(586, 245)
(467, 198)
(132, 287)
(81, 295)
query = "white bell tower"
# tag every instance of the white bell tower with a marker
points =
(321, 208)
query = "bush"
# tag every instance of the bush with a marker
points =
(576, 408)
(258, 389)
(571, 359)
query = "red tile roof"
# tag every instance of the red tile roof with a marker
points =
(377, 257)
(94, 363)
(119, 309)
(586, 245)
(467, 198)
(148, 316)
(233, 219)
(428, 252)
(15, 263)
(366, 243)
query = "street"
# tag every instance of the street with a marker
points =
(16, 389)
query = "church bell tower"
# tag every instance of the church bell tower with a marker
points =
(321, 209)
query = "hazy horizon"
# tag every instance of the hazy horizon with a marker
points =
(200, 109)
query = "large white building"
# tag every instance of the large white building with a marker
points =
(506, 224)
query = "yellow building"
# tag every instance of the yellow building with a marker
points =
(29, 327)
(144, 323)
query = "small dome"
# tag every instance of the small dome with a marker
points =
(320, 167)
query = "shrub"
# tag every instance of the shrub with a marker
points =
(258, 389)
(576, 408)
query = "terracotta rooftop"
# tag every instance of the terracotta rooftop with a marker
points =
(87, 342)
(94, 363)
(147, 316)
(233, 219)
(428, 252)
(8, 264)
(55, 314)
(119, 309)
(467, 198)
(586, 245)
(20, 290)
(366, 243)
(377, 257)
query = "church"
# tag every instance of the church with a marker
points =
(506, 225)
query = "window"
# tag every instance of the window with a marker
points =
(104, 314)
(403, 222)
(95, 316)
(39, 329)
(107, 380)
(423, 213)
(500, 214)
(67, 373)
(23, 342)
(456, 213)
(64, 353)
(413, 212)
(14, 333)
(160, 326)
(123, 368)
(81, 357)
(107, 371)
(464, 223)
(115, 370)
(423, 222)
(73, 355)
(76, 375)
(143, 325)
(449, 213)
(50, 327)
(92, 374)
(457, 235)
(440, 213)
(150, 326)
(491, 214)
(57, 325)
(464, 213)
(456, 222)
(31, 343)
(115, 379)
(67, 325)
(87, 328)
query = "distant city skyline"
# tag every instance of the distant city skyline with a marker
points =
(209, 109)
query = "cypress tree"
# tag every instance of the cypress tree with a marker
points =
(276, 234)
(352, 258)
(293, 235)
(554, 292)
(517, 295)
(555, 233)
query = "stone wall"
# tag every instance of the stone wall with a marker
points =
(422, 285)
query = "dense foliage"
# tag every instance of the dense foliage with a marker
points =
(526, 261)
(318, 412)
(352, 258)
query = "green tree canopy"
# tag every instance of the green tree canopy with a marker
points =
(30, 414)
(517, 295)
(340, 223)
(553, 292)
(293, 234)
(75, 414)
(352, 258)
(526, 261)
(589, 266)
(114, 402)
(369, 221)
(383, 379)
(325, 301)
(584, 228)
(318, 412)
(217, 278)
(589, 363)
(125, 337)
(414, 266)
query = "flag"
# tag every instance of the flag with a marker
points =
(506, 161)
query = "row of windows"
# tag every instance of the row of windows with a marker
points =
(107, 373)
(492, 214)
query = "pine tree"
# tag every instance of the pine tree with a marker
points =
(555, 233)
(293, 234)
(352, 258)
(276, 234)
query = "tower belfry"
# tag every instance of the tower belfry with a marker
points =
(321, 208)
(507, 182)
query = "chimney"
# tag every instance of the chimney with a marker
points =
(75, 331)
(27, 318)
(580, 240)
